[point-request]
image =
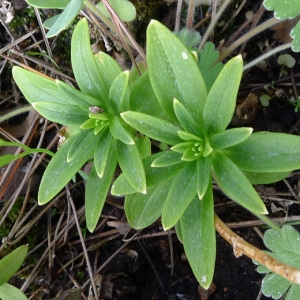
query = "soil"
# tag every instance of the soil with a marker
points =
(152, 265)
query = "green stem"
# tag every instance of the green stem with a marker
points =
(15, 112)
(270, 223)
(266, 55)
(248, 35)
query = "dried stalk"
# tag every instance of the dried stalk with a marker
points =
(241, 247)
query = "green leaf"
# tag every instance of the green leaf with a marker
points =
(153, 127)
(119, 132)
(143, 99)
(119, 93)
(124, 9)
(83, 140)
(267, 152)
(102, 151)
(185, 119)
(203, 175)
(60, 4)
(283, 9)
(167, 158)
(182, 192)
(229, 137)
(37, 88)
(121, 186)
(9, 292)
(144, 145)
(59, 171)
(66, 114)
(221, 100)
(108, 67)
(208, 65)
(199, 239)
(265, 178)
(288, 240)
(11, 263)
(51, 21)
(285, 246)
(66, 18)
(88, 76)
(75, 97)
(235, 184)
(179, 231)
(174, 72)
(154, 176)
(96, 191)
(131, 165)
(295, 34)
(142, 210)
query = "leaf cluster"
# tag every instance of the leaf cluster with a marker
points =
(182, 101)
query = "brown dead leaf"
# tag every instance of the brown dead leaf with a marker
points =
(248, 108)
(283, 30)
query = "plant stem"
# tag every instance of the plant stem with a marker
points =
(270, 223)
(15, 112)
(241, 247)
(190, 15)
(248, 36)
(266, 55)
(213, 23)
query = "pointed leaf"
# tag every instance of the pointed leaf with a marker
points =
(108, 67)
(221, 100)
(59, 171)
(153, 127)
(119, 131)
(83, 140)
(9, 292)
(267, 152)
(182, 192)
(203, 175)
(89, 78)
(174, 72)
(235, 185)
(185, 119)
(229, 137)
(96, 191)
(66, 18)
(199, 238)
(167, 158)
(131, 164)
(142, 210)
(143, 99)
(11, 263)
(124, 9)
(154, 176)
(119, 93)
(65, 114)
(73, 96)
(102, 151)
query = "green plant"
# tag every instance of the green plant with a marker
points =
(179, 179)
(71, 9)
(95, 127)
(9, 265)
(115, 113)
